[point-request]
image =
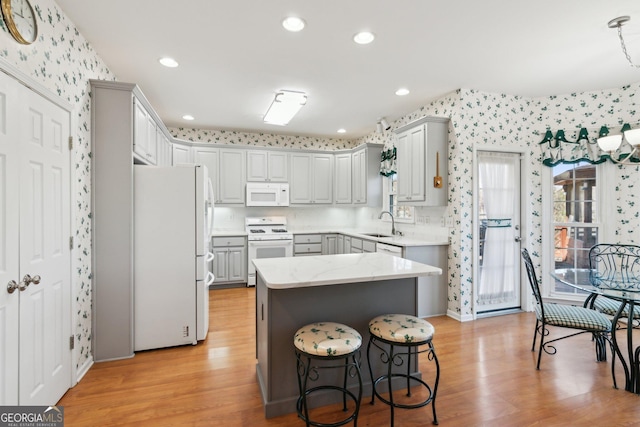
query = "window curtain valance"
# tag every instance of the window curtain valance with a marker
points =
(557, 149)
(388, 161)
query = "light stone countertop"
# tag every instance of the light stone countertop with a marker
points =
(295, 272)
(404, 241)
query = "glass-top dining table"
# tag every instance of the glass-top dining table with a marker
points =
(623, 290)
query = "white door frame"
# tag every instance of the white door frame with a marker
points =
(525, 218)
(44, 92)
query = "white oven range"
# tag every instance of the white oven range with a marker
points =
(267, 237)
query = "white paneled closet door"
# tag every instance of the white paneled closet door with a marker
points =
(40, 149)
(9, 242)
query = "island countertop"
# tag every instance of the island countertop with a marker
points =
(297, 272)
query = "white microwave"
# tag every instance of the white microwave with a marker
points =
(267, 194)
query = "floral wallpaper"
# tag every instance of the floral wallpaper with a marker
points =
(260, 139)
(63, 61)
(501, 120)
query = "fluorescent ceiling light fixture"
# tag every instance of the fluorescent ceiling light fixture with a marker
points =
(168, 62)
(342, 130)
(188, 117)
(402, 91)
(293, 24)
(364, 37)
(285, 105)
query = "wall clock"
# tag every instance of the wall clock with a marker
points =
(20, 20)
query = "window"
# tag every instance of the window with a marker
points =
(401, 213)
(575, 217)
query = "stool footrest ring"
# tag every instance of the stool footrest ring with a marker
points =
(402, 405)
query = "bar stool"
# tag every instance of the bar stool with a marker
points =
(389, 331)
(327, 341)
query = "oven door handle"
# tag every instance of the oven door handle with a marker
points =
(284, 242)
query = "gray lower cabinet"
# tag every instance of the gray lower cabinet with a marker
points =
(329, 244)
(340, 244)
(307, 244)
(432, 290)
(315, 244)
(362, 246)
(346, 248)
(229, 263)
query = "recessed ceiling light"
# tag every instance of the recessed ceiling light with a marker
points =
(168, 62)
(188, 117)
(364, 37)
(341, 130)
(293, 23)
(402, 91)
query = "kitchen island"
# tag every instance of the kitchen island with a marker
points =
(349, 288)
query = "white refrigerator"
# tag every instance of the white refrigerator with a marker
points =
(173, 219)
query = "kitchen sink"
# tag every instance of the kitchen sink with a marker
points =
(377, 235)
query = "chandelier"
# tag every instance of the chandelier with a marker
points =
(618, 23)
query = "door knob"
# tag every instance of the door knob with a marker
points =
(27, 280)
(517, 239)
(12, 286)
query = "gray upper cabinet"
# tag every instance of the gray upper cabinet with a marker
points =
(227, 168)
(366, 179)
(311, 178)
(343, 178)
(124, 130)
(267, 166)
(423, 162)
(163, 148)
(144, 134)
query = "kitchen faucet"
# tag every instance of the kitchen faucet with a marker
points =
(393, 222)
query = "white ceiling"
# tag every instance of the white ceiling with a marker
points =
(234, 55)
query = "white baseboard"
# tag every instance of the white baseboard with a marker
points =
(82, 370)
(458, 317)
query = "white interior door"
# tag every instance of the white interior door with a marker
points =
(498, 243)
(45, 322)
(9, 243)
(36, 362)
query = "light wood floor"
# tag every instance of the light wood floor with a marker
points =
(488, 379)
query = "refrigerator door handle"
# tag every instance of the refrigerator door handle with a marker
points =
(210, 278)
(210, 207)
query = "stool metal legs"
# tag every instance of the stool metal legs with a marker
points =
(394, 357)
(307, 372)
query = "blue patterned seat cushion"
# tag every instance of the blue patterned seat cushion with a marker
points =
(401, 328)
(610, 307)
(570, 316)
(327, 339)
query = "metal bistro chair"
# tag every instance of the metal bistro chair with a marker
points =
(566, 316)
(618, 266)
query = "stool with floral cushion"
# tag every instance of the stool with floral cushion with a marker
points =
(325, 343)
(399, 338)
